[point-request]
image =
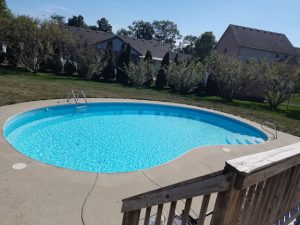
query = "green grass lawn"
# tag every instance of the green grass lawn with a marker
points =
(295, 100)
(19, 86)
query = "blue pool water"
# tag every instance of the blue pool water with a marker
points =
(121, 137)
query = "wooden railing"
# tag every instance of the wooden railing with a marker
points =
(260, 189)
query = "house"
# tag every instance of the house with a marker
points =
(250, 43)
(298, 56)
(139, 47)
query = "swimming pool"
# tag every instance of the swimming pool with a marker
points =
(121, 137)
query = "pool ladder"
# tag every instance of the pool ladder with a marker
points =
(76, 95)
(274, 134)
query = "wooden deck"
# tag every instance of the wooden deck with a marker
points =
(262, 189)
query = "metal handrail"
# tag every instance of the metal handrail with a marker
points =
(75, 94)
(83, 95)
(71, 95)
(275, 136)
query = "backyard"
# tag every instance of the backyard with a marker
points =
(19, 86)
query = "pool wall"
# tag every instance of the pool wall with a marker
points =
(169, 110)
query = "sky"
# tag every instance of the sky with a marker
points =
(192, 16)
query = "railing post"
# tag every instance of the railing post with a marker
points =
(226, 203)
(131, 218)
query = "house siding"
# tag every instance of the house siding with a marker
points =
(228, 44)
(259, 55)
(117, 45)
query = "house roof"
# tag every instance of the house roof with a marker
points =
(297, 51)
(91, 37)
(158, 50)
(87, 36)
(262, 40)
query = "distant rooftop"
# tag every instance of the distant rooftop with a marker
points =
(262, 40)
(297, 51)
(91, 37)
(87, 36)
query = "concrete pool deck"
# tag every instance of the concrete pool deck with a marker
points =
(47, 195)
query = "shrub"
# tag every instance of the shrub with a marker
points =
(148, 56)
(2, 57)
(57, 65)
(69, 67)
(185, 77)
(279, 82)
(139, 73)
(161, 78)
(109, 70)
(149, 75)
(228, 75)
(251, 80)
(297, 86)
(90, 62)
(123, 62)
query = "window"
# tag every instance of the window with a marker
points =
(225, 50)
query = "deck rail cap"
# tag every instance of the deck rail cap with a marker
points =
(249, 164)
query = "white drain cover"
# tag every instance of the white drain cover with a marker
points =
(226, 149)
(19, 166)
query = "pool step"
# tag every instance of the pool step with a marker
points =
(243, 140)
(81, 108)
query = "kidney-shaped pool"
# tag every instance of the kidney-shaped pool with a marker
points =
(121, 137)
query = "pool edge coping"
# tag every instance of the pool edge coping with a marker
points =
(56, 102)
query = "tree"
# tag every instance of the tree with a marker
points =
(109, 71)
(124, 32)
(128, 54)
(279, 82)
(149, 76)
(176, 59)
(141, 29)
(104, 26)
(4, 11)
(185, 77)
(55, 44)
(204, 45)
(139, 72)
(127, 60)
(2, 57)
(166, 32)
(69, 67)
(161, 78)
(148, 56)
(228, 75)
(188, 44)
(90, 62)
(56, 61)
(77, 21)
(121, 64)
(252, 78)
(93, 27)
(5, 26)
(297, 83)
(57, 19)
(24, 45)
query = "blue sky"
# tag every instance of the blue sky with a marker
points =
(192, 16)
